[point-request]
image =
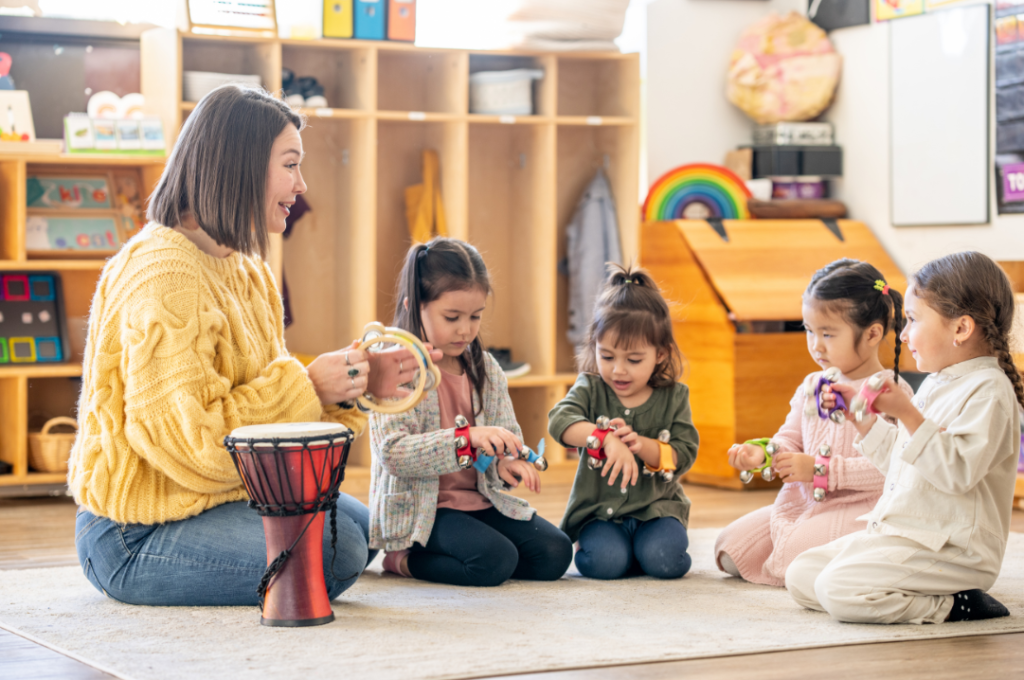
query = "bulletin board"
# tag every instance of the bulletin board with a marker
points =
(939, 134)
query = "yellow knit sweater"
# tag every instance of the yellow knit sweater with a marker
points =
(182, 348)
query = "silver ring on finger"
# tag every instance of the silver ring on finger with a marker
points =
(353, 380)
(347, 361)
(400, 366)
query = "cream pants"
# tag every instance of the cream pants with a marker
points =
(876, 578)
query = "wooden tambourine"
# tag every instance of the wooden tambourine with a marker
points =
(427, 379)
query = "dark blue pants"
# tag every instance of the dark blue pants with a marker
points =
(657, 547)
(485, 548)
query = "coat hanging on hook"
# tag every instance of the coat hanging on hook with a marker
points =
(424, 209)
(592, 239)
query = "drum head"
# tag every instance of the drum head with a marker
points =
(299, 433)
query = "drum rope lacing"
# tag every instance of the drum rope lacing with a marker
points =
(324, 500)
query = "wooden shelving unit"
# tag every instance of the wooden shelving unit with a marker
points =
(28, 391)
(509, 183)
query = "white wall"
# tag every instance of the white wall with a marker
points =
(690, 120)
(861, 116)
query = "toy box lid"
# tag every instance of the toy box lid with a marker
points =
(761, 272)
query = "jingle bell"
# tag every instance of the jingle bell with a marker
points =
(832, 374)
(819, 470)
(525, 453)
(771, 448)
(819, 495)
(837, 417)
(460, 442)
(664, 436)
(859, 408)
(767, 474)
(594, 463)
(593, 442)
(746, 476)
(465, 461)
(647, 472)
(667, 475)
(602, 422)
(875, 382)
(541, 464)
(825, 451)
(461, 422)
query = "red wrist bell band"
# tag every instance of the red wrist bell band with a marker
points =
(595, 443)
(463, 451)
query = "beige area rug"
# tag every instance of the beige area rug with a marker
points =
(389, 627)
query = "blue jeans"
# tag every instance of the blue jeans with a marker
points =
(656, 547)
(213, 559)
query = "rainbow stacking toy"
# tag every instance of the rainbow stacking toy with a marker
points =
(718, 189)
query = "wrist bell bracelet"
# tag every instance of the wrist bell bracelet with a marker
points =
(821, 465)
(463, 451)
(835, 414)
(864, 403)
(666, 467)
(765, 470)
(595, 443)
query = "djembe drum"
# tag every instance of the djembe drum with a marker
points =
(292, 472)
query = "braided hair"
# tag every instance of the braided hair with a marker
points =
(972, 284)
(858, 291)
(431, 270)
(631, 305)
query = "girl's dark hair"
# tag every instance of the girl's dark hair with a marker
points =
(431, 270)
(971, 284)
(851, 288)
(217, 172)
(631, 305)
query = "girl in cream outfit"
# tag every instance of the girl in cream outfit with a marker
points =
(935, 542)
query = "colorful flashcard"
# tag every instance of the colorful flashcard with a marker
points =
(78, 132)
(48, 233)
(897, 9)
(68, 193)
(129, 134)
(104, 134)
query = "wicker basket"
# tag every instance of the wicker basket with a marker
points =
(49, 452)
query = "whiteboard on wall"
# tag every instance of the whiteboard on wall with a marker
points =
(939, 129)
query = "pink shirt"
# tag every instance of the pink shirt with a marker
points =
(457, 490)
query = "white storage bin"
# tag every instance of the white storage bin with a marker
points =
(198, 84)
(503, 92)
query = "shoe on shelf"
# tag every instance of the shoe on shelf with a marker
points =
(512, 369)
(315, 97)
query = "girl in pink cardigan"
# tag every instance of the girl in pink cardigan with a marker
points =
(848, 309)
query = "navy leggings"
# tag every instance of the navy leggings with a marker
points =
(657, 547)
(485, 548)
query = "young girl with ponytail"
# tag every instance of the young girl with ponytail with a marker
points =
(935, 541)
(848, 310)
(439, 516)
(628, 413)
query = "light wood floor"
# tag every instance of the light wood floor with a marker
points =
(40, 533)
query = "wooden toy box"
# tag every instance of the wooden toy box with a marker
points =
(730, 300)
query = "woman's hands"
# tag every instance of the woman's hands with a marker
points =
(793, 466)
(330, 375)
(379, 373)
(394, 367)
(513, 470)
(619, 459)
(495, 441)
(746, 456)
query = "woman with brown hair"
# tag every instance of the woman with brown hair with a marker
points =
(186, 343)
